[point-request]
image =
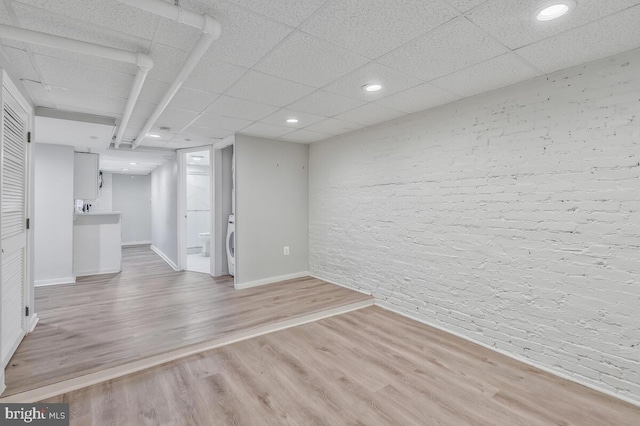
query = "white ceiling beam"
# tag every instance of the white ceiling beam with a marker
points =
(210, 32)
(143, 61)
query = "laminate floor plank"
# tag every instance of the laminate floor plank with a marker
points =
(109, 320)
(367, 367)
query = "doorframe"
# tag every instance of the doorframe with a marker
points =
(182, 207)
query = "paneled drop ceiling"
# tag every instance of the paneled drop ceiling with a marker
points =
(304, 59)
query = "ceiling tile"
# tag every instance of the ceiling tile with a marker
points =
(369, 114)
(392, 81)
(153, 91)
(304, 136)
(68, 75)
(418, 98)
(266, 89)
(213, 76)
(433, 56)
(105, 13)
(246, 37)
(92, 61)
(615, 34)
(333, 127)
(177, 35)
(290, 12)
(212, 121)
(167, 62)
(266, 130)
(325, 103)
(375, 27)
(20, 63)
(152, 143)
(465, 5)
(309, 60)
(53, 23)
(512, 21)
(239, 108)
(195, 133)
(39, 95)
(91, 103)
(280, 118)
(176, 119)
(192, 100)
(495, 73)
(4, 16)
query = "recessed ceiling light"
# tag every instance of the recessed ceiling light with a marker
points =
(125, 170)
(153, 135)
(197, 157)
(554, 11)
(133, 164)
(292, 120)
(371, 87)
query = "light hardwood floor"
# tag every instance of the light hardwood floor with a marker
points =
(366, 367)
(147, 309)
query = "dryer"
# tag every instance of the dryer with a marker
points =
(231, 245)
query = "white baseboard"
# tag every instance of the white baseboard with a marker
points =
(341, 285)
(133, 367)
(265, 281)
(33, 321)
(164, 257)
(97, 272)
(55, 281)
(409, 314)
(136, 243)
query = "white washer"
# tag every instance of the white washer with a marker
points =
(231, 245)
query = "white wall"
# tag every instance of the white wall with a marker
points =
(132, 198)
(272, 209)
(53, 216)
(512, 218)
(164, 210)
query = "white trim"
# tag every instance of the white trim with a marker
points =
(55, 281)
(136, 243)
(12, 349)
(33, 321)
(112, 373)
(411, 315)
(2, 385)
(97, 272)
(265, 281)
(165, 258)
(341, 285)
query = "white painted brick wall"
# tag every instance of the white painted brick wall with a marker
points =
(512, 218)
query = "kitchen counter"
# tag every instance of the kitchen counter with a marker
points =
(97, 243)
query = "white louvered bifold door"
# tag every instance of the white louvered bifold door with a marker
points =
(13, 194)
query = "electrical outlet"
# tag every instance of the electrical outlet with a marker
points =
(286, 250)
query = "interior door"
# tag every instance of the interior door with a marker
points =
(13, 194)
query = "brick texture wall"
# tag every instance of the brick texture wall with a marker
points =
(512, 218)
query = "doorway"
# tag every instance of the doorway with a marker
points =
(196, 210)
